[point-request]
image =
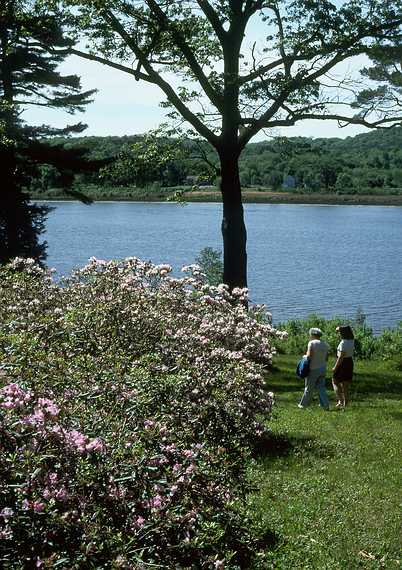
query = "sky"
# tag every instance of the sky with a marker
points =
(123, 106)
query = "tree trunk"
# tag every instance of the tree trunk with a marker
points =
(233, 227)
(21, 223)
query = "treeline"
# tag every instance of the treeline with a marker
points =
(369, 163)
(365, 163)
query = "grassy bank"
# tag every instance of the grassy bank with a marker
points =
(329, 482)
(267, 197)
(250, 195)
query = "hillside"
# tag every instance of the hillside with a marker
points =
(369, 163)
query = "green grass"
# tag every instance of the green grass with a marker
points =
(252, 195)
(329, 483)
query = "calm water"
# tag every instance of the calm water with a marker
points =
(302, 258)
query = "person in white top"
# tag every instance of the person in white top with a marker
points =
(342, 372)
(317, 351)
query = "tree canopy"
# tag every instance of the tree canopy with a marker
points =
(280, 78)
(29, 76)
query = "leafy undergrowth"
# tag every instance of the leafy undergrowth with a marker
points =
(129, 400)
(330, 482)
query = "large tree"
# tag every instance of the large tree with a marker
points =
(29, 76)
(231, 68)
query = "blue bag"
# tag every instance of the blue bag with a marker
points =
(303, 367)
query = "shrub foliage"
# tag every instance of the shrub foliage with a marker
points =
(386, 346)
(128, 403)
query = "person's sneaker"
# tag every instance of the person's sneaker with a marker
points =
(300, 406)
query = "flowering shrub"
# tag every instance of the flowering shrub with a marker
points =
(128, 403)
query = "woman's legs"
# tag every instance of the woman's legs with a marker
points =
(342, 393)
(338, 394)
(345, 393)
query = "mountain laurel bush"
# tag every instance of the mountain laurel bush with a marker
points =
(128, 403)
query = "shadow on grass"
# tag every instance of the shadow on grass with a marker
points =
(244, 556)
(273, 445)
(396, 416)
(276, 446)
(278, 388)
(267, 540)
(388, 382)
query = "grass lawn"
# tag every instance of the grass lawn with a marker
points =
(329, 483)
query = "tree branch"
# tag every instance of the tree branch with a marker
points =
(290, 121)
(188, 53)
(103, 61)
(286, 61)
(374, 31)
(289, 60)
(155, 77)
(261, 123)
(396, 121)
(213, 19)
(36, 103)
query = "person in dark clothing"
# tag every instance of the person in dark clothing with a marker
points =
(342, 372)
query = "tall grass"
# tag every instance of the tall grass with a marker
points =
(387, 345)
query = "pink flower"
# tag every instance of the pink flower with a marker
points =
(95, 445)
(77, 440)
(139, 522)
(38, 507)
(61, 494)
(9, 404)
(57, 430)
(14, 396)
(53, 477)
(35, 419)
(49, 407)
(6, 513)
(11, 389)
(156, 502)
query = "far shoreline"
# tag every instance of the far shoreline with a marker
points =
(249, 197)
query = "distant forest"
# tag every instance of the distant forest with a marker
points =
(369, 163)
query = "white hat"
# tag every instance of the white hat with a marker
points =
(315, 331)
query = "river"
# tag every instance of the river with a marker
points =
(330, 260)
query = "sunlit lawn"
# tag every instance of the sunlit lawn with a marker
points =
(329, 483)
